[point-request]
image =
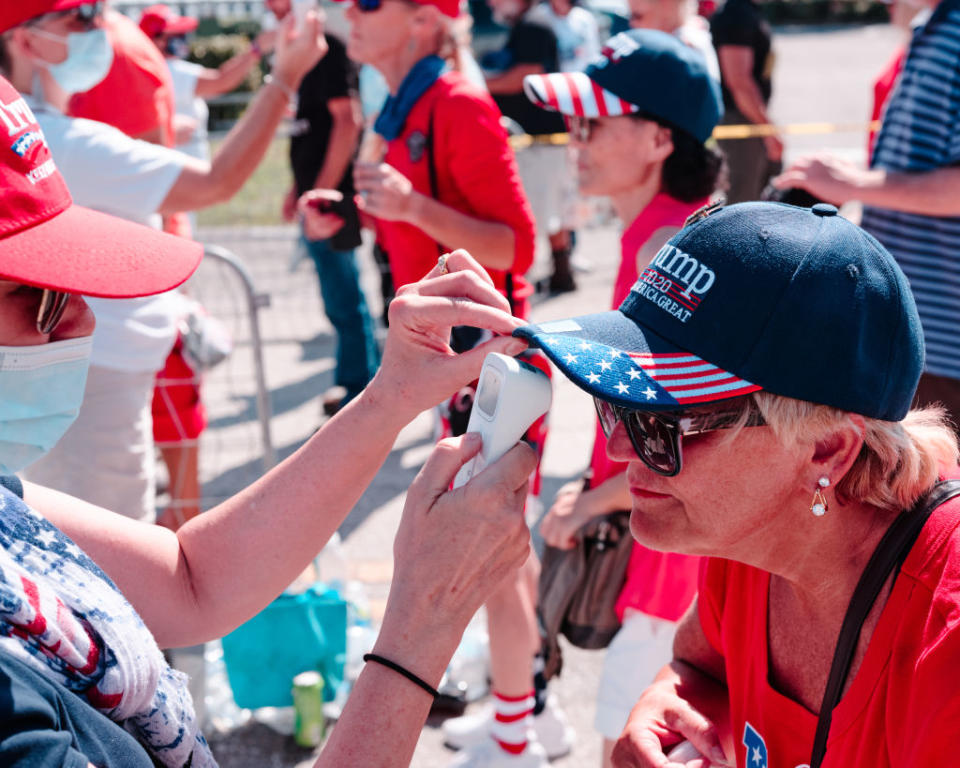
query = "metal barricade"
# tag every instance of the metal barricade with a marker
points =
(237, 445)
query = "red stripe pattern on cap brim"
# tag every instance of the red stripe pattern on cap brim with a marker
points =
(574, 94)
(690, 379)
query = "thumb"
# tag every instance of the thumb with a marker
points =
(449, 455)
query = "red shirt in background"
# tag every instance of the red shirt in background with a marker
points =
(882, 88)
(902, 709)
(136, 96)
(476, 175)
(660, 584)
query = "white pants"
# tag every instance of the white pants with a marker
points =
(636, 654)
(106, 457)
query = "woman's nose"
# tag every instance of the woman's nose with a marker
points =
(619, 447)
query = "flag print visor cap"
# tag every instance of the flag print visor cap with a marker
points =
(47, 241)
(644, 71)
(755, 296)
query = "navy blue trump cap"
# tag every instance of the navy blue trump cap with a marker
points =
(757, 296)
(641, 70)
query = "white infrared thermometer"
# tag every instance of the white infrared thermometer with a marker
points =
(684, 752)
(510, 397)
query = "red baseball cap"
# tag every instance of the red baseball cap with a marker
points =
(16, 12)
(162, 19)
(449, 8)
(47, 241)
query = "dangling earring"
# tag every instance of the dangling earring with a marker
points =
(819, 504)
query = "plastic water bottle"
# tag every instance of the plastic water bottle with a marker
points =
(331, 565)
(470, 664)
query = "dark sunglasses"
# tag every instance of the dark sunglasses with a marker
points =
(52, 305)
(368, 6)
(656, 437)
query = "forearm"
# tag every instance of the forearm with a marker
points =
(344, 136)
(237, 158)
(383, 717)
(511, 81)
(227, 76)
(749, 101)
(934, 193)
(492, 243)
(238, 556)
(612, 494)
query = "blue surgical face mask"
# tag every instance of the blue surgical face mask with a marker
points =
(41, 388)
(89, 57)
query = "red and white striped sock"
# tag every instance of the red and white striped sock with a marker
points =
(513, 717)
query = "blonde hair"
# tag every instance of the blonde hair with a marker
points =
(899, 460)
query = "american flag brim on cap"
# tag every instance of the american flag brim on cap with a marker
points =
(611, 357)
(574, 94)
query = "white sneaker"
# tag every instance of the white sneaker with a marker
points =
(468, 730)
(488, 754)
(553, 730)
(551, 727)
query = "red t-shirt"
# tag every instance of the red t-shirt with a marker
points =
(882, 88)
(901, 710)
(476, 175)
(136, 96)
(659, 584)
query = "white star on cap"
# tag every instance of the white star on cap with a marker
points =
(570, 358)
(605, 365)
(614, 353)
(585, 346)
(593, 378)
(650, 393)
(634, 374)
(622, 388)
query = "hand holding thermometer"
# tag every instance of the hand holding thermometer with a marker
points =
(510, 397)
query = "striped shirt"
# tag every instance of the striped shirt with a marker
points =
(920, 133)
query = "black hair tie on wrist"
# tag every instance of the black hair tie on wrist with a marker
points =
(405, 672)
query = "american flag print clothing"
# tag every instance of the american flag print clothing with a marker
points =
(64, 617)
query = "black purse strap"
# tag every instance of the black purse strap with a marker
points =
(887, 557)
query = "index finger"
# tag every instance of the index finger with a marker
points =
(450, 311)
(466, 285)
(460, 260)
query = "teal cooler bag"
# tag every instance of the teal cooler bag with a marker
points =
(293, 634)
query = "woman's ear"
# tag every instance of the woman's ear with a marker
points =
(663, 142)
(835, 452)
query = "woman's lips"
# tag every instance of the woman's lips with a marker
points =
(643, 493)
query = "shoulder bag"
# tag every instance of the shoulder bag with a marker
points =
(579, 587)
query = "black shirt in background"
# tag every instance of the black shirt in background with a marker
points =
(530, 42)
(334, 77)
(739, 22)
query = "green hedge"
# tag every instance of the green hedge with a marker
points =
(212, 52)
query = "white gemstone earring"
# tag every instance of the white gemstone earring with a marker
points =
(819, 504)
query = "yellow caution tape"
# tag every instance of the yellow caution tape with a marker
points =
(724, 132)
